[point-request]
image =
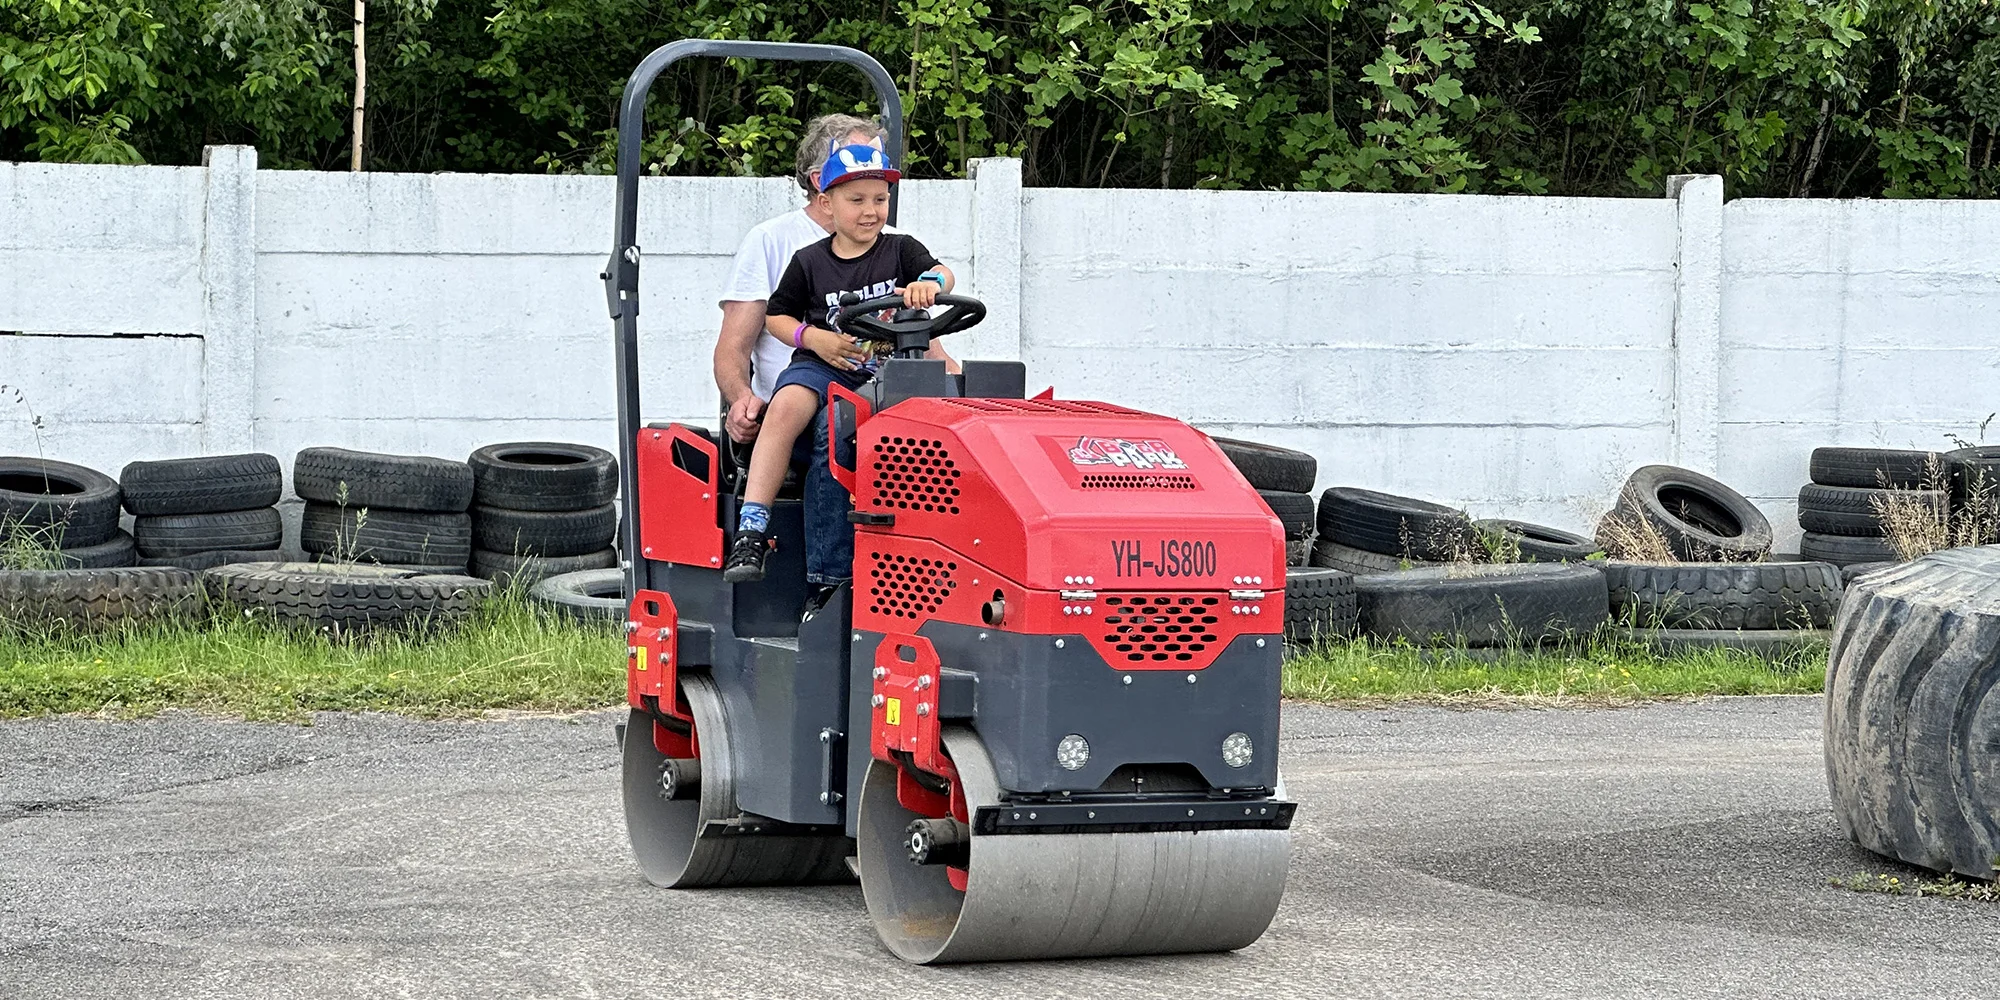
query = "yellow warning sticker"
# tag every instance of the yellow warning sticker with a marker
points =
(893, 711)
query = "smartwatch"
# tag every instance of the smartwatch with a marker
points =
(934, 276)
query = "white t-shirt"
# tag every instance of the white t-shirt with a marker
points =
(760, 263)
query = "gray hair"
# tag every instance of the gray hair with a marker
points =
(818, 142)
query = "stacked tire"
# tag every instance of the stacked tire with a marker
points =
(61, 513)
(194, 513)
(542, 509)
(1842, 510)
(1364, 532)
(369, 508)
(1284, 479)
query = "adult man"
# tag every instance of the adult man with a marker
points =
(747, 362)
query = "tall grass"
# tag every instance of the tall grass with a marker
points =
(509, 655)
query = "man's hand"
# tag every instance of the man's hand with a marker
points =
(742, 422)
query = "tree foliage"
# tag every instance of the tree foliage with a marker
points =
(1782, 97)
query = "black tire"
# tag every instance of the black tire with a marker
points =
(199, 561)
(1767, 595)
(1853, 510)
(1846, 550)
(543, 475)
(345, 597)
(505, 568)
(386, 536)
(1912, 729)
(1269, 467)
(589, 595)
(1484, 605)
(168, 535)
(119, 551)
(207, 485)
(65, 505)
(1294, 510)
(1395, 526)
(1851, 571)
(1538, 543)
(1360, 562)
(1770, 644)
(397, 482)
(1877, 468)
(421, 569)
(1319, 604)
(544, 532)
(95, 597)
(1975, 488)
(1700, 519)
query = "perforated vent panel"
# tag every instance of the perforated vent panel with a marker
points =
(1114, 482)
(908, 586)
(915, 474)
(1160, 628)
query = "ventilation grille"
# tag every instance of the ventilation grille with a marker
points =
(1109, 482)
(1039, 406)
(1160, 628)
(908, 587)
(915, 474)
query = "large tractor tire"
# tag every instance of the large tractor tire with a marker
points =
(1913, 712)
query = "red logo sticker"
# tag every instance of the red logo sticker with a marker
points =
(1150, 453)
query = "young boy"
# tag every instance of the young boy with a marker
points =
(803, 312)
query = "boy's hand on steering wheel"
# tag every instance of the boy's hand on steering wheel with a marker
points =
(920, 294)
(841, 351)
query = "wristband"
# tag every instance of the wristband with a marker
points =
(798, 336)
(935, 277)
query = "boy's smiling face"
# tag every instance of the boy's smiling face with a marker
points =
(859, 208)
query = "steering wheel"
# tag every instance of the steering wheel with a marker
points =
(912, 329)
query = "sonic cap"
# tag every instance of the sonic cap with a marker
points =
(849, 163)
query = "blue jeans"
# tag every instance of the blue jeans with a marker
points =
(829, 535)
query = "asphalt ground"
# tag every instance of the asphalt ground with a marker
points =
(1678, 850)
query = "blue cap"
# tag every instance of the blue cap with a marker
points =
(848, 163)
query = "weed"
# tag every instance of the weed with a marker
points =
(1630, 537)
(25, 546)
(1945, 887)
(1915, 526)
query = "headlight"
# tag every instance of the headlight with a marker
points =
(1072, 752)
(1236, 751)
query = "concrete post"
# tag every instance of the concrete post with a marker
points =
(1697, 346)
(996, 260)
(229, 299)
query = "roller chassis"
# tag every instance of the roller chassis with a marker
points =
(1054, 679)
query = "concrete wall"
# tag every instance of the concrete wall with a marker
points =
(1514, 355)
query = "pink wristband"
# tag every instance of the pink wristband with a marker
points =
(798, 336)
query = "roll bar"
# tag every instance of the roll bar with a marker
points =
(621, 274)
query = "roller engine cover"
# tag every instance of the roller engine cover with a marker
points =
(1142, 581)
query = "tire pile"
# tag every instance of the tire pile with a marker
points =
(1841, 509)
(406, 511)
(542, 509)
(195, 513)
(1409, 570)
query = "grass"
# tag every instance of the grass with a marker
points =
(1596, 672)
(508, 656)
(512, 657)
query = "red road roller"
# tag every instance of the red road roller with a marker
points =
(1042, 720)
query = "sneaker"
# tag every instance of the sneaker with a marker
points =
(746, 557)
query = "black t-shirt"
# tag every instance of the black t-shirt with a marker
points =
(816, 278)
